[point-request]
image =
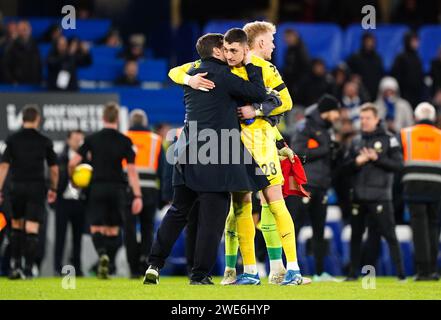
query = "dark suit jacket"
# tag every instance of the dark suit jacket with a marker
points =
(63, 180)
(230, 167)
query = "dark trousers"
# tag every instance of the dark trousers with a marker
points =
(73, 212)
(424, 219)
(315, 210)
(191, 233)
(137, 253)
(213, 211)
(379, 218)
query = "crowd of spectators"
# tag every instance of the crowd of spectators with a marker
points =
(412, 12)
(360, 79)
(22, 63)
(363, 78)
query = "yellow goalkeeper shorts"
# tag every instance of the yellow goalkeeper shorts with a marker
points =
(260, 140)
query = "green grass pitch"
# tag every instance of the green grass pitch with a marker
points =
(177, 288)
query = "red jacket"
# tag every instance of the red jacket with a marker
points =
(295, 178)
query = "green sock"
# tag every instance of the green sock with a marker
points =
(271, 234)
(231, 240)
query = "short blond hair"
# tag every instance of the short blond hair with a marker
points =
(257, 28)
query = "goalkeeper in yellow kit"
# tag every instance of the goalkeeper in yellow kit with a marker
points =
(259, 137)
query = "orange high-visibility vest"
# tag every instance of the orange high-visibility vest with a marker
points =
(147, 146)
(422, 153)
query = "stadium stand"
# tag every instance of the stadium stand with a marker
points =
(39, 24)
(430, 37)
(109, 70)
(334, 220)
(89, 30)
(306, 259)
(389, 41)
(322, 40)
(222, 26)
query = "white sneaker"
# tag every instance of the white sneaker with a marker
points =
(151, 276)
(326, 277)
(229, 277)
(306, 281)
(276, 277)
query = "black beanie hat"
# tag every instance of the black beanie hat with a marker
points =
(328, 103)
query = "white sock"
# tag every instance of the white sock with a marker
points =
(276, 265)
(261, 269)
(293, 266)
(230, 269)
(250, 269)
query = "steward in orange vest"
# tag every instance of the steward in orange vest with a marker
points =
(422, 188)
(422, 162)
(149, 165)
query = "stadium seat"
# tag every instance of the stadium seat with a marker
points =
(89, 29)
(404, 235)
(104, 53)
(334, 221)
(430, 37)
(345, 241)
(44, 51)
(346, 244)
(164, 105)
(109, 70)
(176, 264)
(306, 259)
(389, 41)
(219, 267)
(332, 197)
(323, 41)
(153, 70)
(222, 26)
(187, 33)
(102, 71)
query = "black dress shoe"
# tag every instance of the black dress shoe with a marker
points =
(435, 276)
(16, 274)
(351, 279)
(28, 274)
(423, 277)
(402, 278)
(204, 281)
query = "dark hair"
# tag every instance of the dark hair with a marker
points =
(111, 112)
(206, 44)
(71, 132)
(30, 113)
(367, 35)
(291, 31)
(236, 35)
(369, 107)
(317, 61)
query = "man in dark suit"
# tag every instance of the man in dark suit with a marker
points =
(209, 166)
(70, 208)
